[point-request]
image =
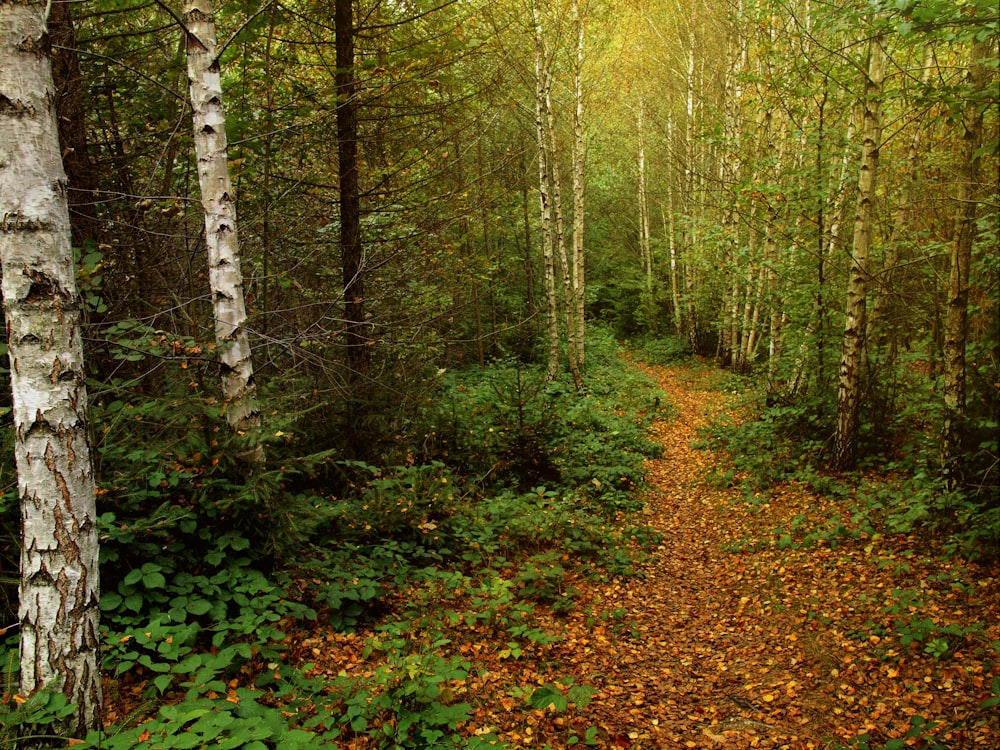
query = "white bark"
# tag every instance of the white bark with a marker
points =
(579, 182)
(548, 258)
(645, 247)
(218, 202)
(675, 294)
(559, 235)
(849, 389)
(59, 558)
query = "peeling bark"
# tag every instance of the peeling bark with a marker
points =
(224, 275)
(852, 353)
(59, 586)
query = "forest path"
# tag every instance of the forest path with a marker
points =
(725, 643)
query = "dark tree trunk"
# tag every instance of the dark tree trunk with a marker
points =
(72, 126)
(350, 203)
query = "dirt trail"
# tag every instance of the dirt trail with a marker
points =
(718, 647)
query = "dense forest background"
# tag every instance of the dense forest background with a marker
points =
(805, 194)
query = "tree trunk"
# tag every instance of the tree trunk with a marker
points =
(358, 358)
(217, 200)
(645, 247)
(675, 295)
(59, 586)
(690, 179)
(956, 325)
(548, 256)
(70, 107)
(559, 237)
(579, 182)
(853, 349)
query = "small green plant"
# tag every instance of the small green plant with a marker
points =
(36, 719)
(408, 702)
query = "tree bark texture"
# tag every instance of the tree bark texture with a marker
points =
(579, 194)
(219, 205)
(70, 107)
(853, 348)
(358, 358)
(59, 587)
(956, 326)
(548, 254)
(559, 235)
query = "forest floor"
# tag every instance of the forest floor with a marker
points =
(754, 620)
(728, 640)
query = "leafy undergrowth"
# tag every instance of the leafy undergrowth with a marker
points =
(723, 618)
(760, 622)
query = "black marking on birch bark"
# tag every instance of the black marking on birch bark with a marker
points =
(37, 47)
(10, 108)
(17, 222)
(60, 480)
(43, 287)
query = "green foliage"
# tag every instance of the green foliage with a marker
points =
(240, 720)
(789, 439)
(662, 350)
(508, 428)
(408, 703)
(34, 722)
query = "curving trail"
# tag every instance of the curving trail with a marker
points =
(724, 643)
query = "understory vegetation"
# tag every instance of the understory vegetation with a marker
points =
(898, 487)
(501, 489)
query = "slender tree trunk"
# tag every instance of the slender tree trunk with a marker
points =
(70, 106)
(59, 587)
(645, 246)
(675, 295)
(579, 194)
(852, 353)
(529, 265)
(548, 255)
(956, 325)
(559, 238)
(224, 275)
(358, 358)
(690, 180)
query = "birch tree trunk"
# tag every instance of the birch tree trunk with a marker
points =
(548, 256)
(675, 295)
(645, 246)
(579, 183)
(853, 349)
(559, 236)
(59, 586)
(218, 202)
(690, 180)
(956, 326)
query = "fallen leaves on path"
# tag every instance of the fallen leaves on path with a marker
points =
(735, 644)
(731, 636)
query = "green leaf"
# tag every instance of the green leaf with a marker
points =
(132, 577)
(154, 581)
(199, 606)
(548, 695)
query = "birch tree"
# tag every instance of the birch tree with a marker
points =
(544, 189)
(957, 314)
(59, 587)
(852, 352)
(219, 205)
(579, 200)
